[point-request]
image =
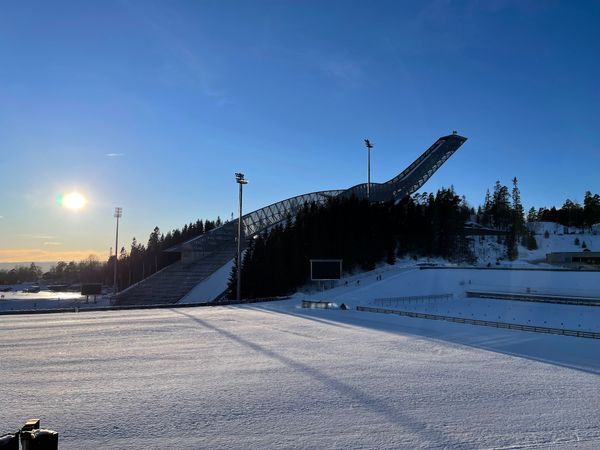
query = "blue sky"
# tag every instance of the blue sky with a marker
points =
(153, 106)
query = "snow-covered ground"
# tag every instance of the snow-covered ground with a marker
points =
(403, 280)
(568, 317)
(276, 376)
(488, 250)
(22, 301)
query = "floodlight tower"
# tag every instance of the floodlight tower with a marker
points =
(369, 147)
(239, 179)
(118, 215)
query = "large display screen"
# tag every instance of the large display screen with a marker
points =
(325, 269)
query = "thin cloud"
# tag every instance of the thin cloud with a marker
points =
(52, 243)
(344, 70)
(115, 155)
(186, 63)
(18, 255)
(35, 236)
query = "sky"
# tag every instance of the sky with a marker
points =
(152, 106)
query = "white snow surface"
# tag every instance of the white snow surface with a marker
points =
(210, 288)
(23, 301)
(558, 240)
(274, 375)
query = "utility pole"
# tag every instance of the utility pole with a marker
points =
(369, 147)
(118, 214)
(239, 178)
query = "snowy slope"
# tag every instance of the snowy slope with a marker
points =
(488, 250)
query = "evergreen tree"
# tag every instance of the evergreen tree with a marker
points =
(591, 209)
(517, 209)
(500, 208)
(531, 241)
(232, 281)
(154, 249)
(361, 233)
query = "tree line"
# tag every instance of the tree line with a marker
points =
(20, 273)
(361, 233)
(503, 210)
(571, 213)
(142, 260)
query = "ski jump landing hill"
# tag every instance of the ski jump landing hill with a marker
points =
(205, 254)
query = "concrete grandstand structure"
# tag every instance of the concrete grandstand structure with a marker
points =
(204, 254)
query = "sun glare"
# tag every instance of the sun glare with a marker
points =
(73, 200)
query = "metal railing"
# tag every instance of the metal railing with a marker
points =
(396, 301)
(536, 298)
(485, 323)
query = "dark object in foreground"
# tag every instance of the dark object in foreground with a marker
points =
(32, 438)
(39, 440)
(9, 442)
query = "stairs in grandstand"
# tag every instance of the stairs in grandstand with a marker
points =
(173, 282)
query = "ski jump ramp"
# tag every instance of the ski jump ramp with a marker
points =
(406, 183)
(199, 250)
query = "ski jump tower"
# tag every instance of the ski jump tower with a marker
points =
(203, 255)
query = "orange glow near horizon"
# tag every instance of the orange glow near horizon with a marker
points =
(21, 255)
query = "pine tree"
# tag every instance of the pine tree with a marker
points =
(591, 209)
(487, 209)
(512, 251)
(232, 282)
(531, 242)
(517, 209)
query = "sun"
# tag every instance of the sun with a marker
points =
(73, 200)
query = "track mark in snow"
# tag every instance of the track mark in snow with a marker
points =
(389, 413)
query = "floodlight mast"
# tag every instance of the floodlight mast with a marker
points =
(118, 214)
(369, 147)
(239, 178)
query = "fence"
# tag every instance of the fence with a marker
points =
(526, 269)
(485, 323)
(317, 304)
(396, 301)
(134, 307)
(537, 298)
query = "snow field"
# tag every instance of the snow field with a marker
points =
(19, 301)
(571, 317)
(275, 376)
(409, 281)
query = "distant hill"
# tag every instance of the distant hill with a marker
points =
(45, 266)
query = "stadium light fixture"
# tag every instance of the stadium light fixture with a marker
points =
(369, 147)
(118, 215)
(239, 179)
